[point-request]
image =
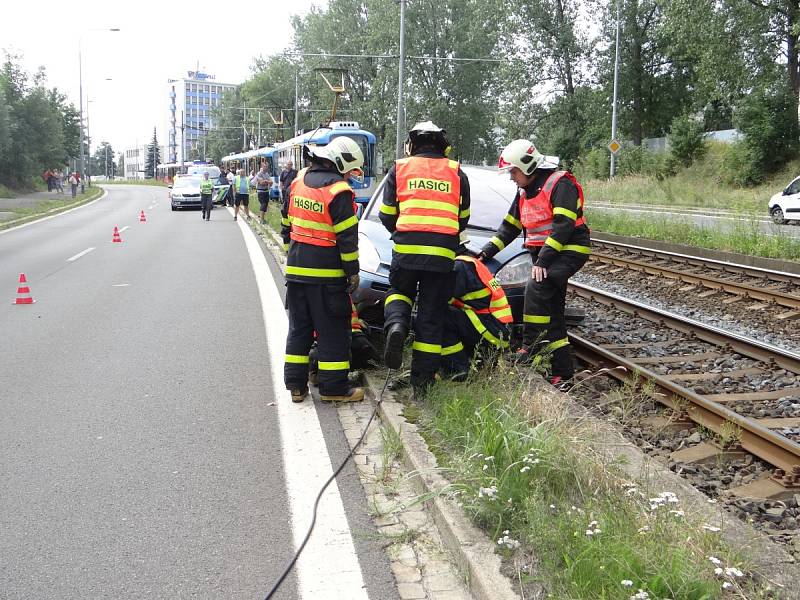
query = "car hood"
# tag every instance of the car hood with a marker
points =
(374, 233)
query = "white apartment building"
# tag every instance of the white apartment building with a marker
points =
(136, 159)
(189, 113)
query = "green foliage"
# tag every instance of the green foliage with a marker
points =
(768, 119)
(687, 140)
(103, 161)
(153, 157)
(594, 165)
(38, 127)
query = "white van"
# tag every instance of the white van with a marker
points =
(785, 206)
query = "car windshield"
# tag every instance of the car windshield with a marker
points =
(187, 182)
(490, 196)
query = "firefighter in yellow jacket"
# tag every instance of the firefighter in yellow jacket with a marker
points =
(477, 318)
(548, 208)
(320, 231)
(425, 207)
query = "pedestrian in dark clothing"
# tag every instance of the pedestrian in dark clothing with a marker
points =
(206, 195)
(263, 185)
(73, 184)
(287, 177)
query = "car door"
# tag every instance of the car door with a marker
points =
(791, 200)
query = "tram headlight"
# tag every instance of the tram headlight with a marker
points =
(516, 272)
(368, 258)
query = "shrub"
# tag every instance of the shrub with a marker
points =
(595, 165)
(686, 140)
(743, 165)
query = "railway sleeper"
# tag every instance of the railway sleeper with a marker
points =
(707, 453)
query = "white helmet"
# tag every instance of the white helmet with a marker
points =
(427, 132)
(342, 151)
(524, 155)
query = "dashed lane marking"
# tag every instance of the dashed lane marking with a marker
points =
(328, 567)
(79, 254)
(124, 228)
(120, 284)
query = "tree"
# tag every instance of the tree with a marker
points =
(153, 157)
(104, 160)
(120, 169)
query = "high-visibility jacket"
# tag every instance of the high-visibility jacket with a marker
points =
(206, 187)
(237, 184)
(536, 214)
(490, 299)
(428, 195)
(309, 215)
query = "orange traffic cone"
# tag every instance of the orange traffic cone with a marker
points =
(116, 237)
(142, 218)
(23, 291)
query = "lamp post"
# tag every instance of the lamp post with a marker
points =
(613, 169)
(80, 92)
(400, 75)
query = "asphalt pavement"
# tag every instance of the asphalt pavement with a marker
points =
(140, 444)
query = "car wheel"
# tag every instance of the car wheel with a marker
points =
(173, 207)
(777, 215)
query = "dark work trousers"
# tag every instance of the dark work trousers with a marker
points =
(205, 204)
(324, 308)
(545, 328)
(435, 289)
(461, 338)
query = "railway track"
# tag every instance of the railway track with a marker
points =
(741, 282)
(734, 386)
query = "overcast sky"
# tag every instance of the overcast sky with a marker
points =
(158, 40)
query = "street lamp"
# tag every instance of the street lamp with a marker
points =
(89, 139)
(80, 91)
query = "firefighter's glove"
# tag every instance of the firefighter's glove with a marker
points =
(352, 283)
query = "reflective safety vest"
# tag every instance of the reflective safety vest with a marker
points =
(428, 195)
(206, 187)
(536, 214)
(309, 212)
(498, 307)
(237, 184)
(355, 322)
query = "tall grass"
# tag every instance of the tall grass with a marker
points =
(744, 237)
(699, 185)
(525, 470)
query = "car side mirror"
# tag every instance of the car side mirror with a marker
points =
(169, 186)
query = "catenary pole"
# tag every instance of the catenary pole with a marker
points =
(296, 114)
(614, 102)
(400, 75)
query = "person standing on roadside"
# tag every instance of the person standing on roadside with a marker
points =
(320, 232)
(548, 208)
(263, 185)
(425, 207)
(57, 177)
(287, 177)
(206, 195)
(73, 184)
(241, 185)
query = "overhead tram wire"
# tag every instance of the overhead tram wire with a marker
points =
(395, 56)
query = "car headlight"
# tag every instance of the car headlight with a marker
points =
(368, 257)
(177, 196)
(516, 272)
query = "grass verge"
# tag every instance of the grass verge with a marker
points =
(744, 237)
(155, 182)
(562, 515)
(50, 207)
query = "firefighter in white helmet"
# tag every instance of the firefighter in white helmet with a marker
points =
(320, 232)
(548, 208)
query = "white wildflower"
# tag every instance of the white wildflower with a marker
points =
(525, 469)
(711, 528)
(489, 458)
(718, 571)
(590, 532)
(711, 501)
(715, 560)
(626, 583)
(733, 572)
(678, 513)
(593, 524)
(726, 585)
(643, 530)
(488, 492)
(508, 542)
(640, 595)
(485, 467)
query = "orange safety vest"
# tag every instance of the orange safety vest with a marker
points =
(428, 195)
(355, 322)
(536, 214)
(309, 213)
(498, 303)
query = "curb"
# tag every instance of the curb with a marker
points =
(473, 552)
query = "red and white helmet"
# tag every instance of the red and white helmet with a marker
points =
(524, 155)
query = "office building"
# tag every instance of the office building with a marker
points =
(135, 158)
(191, 99)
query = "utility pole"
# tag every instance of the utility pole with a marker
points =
(614, 104)
(244, 129)
(183, 143)
(400, 75)
(106, 162)
(296, 116)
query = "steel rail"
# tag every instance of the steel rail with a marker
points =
(740, 289)
(771, 447)
(698, 261)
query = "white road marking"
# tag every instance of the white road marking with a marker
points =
(120, 284)
(79, 254)
(328, 567)
(124, 228)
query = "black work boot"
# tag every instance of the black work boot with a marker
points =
(393, 348)
(299, 395)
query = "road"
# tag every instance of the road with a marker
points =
(147, 448)
(711, 218)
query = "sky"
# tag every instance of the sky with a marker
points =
(158, 41)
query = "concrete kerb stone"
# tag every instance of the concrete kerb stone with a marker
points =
(472, 550)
